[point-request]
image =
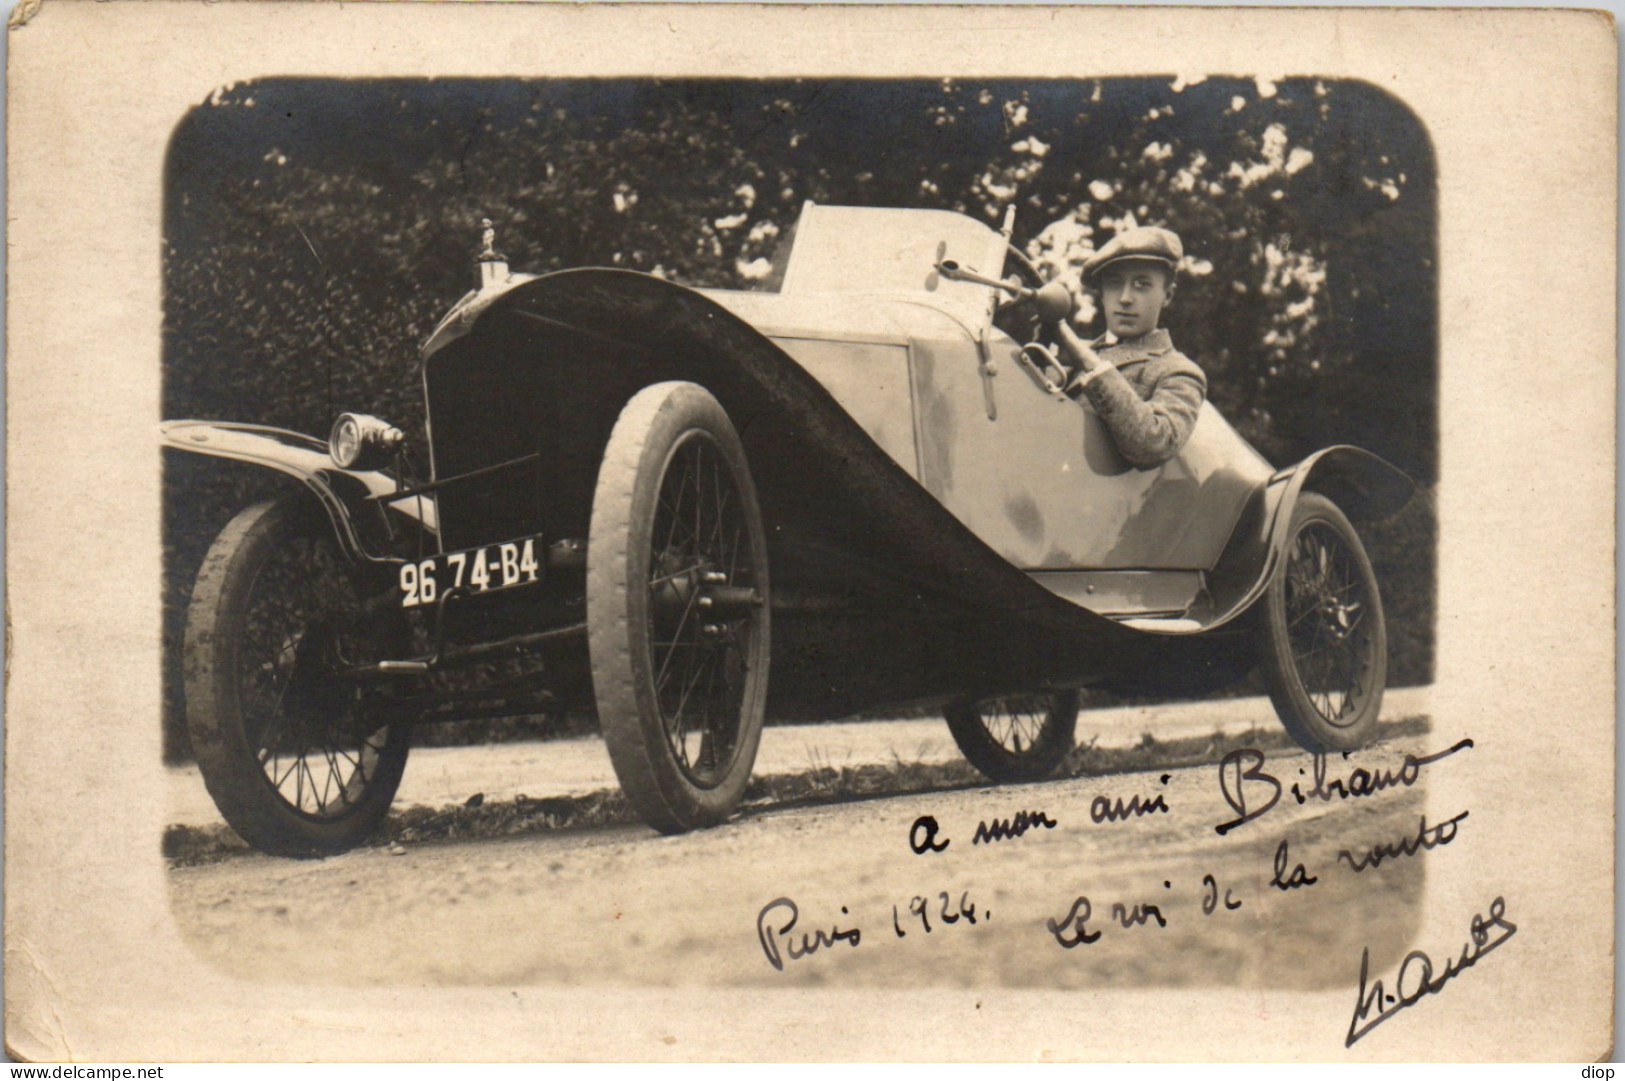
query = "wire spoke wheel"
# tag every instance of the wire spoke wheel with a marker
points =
(677, 612)
(304, 725)
(1325, 646)
(697, 654)
(300, 760)
(1021, 737)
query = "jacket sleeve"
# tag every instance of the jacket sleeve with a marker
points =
(1149, 432)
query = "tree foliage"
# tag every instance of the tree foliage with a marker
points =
(316, 229)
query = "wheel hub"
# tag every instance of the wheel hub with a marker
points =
(319, 702)
(1340, 617)
(710, 593)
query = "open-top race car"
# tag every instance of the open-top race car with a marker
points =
(695, 508)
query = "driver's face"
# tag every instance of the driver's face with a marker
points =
(1132, 296)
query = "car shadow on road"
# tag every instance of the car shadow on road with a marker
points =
(479, 819)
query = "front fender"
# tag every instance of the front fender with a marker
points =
(352, 498)
(1363, 485)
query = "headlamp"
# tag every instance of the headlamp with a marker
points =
(359, 441)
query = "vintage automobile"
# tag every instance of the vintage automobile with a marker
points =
(651, 498)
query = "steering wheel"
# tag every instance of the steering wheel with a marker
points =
(1021, 320)
(1024, 266)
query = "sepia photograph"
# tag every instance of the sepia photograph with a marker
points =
(841, 532)
(794, 402)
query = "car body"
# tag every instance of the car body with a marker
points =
(862, 484)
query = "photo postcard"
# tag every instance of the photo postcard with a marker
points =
(719, 531)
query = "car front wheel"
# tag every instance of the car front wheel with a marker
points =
(300, 759)
(677, 611)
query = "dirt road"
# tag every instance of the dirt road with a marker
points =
(622, 904)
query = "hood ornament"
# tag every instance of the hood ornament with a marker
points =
(493, 280)
(493, 265)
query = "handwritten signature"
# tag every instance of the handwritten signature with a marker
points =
(1415, 979)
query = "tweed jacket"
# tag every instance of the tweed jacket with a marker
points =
(1148, 400)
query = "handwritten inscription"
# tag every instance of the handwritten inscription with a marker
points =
(920, 908)
(1072, 930)
(1125, 916)
(926, 834)
(998, 829)
(1253, 793)
(1210, 899)
(1241, 775)
(1427, 837)
(1415, 979)
(1364, 782)
(1103, 809)
(1296, 879)
(923, 834)
(770, 936)
(781, 941)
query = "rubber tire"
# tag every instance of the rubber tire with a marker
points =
(619, 556)
(967, 721)
(216, 620)
(1302, 720)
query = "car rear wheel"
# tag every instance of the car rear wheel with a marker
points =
(1325, 649)
(1020, 737)
(300, 760)
(677, 612)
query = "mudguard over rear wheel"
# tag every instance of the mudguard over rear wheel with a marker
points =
(300, 760)
(1021, 737)
(1324, 645)
(677, 612)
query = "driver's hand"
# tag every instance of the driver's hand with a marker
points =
(1075, 350)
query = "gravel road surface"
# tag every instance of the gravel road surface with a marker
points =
(623, 905)
(444, 776)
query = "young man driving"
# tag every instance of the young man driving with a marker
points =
(1146, 391)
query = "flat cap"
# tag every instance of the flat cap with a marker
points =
(1143, 242)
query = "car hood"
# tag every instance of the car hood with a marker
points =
(890, 318)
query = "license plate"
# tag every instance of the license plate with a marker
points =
(473, 570)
